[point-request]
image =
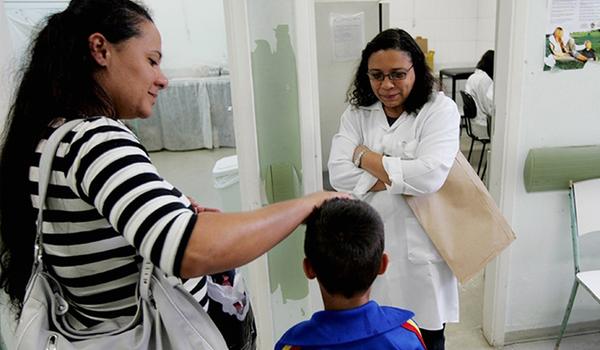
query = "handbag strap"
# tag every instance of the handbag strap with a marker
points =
(45, 170)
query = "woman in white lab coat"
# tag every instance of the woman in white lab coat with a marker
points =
(399, 137)
(480, 85)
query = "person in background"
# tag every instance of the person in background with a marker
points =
(588, 51)
(399, 137)
(344, 246)
(480, 85)
(107, 206)
(563, 47)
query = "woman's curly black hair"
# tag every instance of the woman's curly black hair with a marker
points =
(360, 92)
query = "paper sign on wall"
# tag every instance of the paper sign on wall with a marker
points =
(347, 35)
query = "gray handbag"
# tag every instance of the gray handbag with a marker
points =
(167, 316)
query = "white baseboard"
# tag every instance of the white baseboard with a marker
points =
(536, 334)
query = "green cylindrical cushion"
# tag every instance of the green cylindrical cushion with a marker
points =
(549, 169)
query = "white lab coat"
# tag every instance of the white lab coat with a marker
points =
(481, 87)
(419, 152)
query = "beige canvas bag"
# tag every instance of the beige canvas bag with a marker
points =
(463, 221)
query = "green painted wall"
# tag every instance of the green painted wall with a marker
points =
(278, 136)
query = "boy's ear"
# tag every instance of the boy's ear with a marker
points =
(99, 48)
(385, 260)
(308, 269)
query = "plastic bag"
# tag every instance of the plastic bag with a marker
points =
(230, 309)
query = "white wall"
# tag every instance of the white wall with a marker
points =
(556, 109)
(277, 12)
(459, 31)
(18, 20)
(193, 33)
(5, 59)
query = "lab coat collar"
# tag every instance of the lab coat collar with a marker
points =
(376, 110)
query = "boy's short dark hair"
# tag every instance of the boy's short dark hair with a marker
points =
(344, 244)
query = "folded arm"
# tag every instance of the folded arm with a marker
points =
(423, 172)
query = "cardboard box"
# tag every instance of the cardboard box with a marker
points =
(429, 55)
(422, 42)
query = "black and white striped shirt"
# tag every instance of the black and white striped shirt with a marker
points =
(108, 207)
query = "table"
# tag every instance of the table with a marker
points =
(455, 74)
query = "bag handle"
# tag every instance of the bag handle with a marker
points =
(45, 170)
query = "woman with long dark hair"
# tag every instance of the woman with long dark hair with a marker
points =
(107, 205)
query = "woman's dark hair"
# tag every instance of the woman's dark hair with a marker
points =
(57, 81)
(360, 92)
(344, 243)
(486, 63)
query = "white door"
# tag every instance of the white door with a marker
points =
(343, 28)
(276, 122)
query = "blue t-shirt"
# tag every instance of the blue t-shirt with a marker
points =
(369, 326)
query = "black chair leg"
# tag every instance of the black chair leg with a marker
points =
(484, 168)
(470, 149)
(481, 157)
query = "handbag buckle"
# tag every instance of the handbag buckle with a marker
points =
(37, 253)
(52, 340)
(61, 305)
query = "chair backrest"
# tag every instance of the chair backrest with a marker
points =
(469, 111)
(469, 106)
(585, 199)
(584, 204)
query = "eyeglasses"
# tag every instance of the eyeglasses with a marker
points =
(393, 75)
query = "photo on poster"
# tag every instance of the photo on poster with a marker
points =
(572, 34)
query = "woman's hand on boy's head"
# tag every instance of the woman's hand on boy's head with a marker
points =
(319, 197)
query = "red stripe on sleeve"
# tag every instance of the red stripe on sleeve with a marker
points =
(411, 326)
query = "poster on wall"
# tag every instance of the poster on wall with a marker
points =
(572, 34)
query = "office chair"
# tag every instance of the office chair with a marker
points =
(584, 198)
(470, 112)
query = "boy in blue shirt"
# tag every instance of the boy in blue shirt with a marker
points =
(344, 250)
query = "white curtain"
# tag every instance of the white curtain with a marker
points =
(192, 113)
